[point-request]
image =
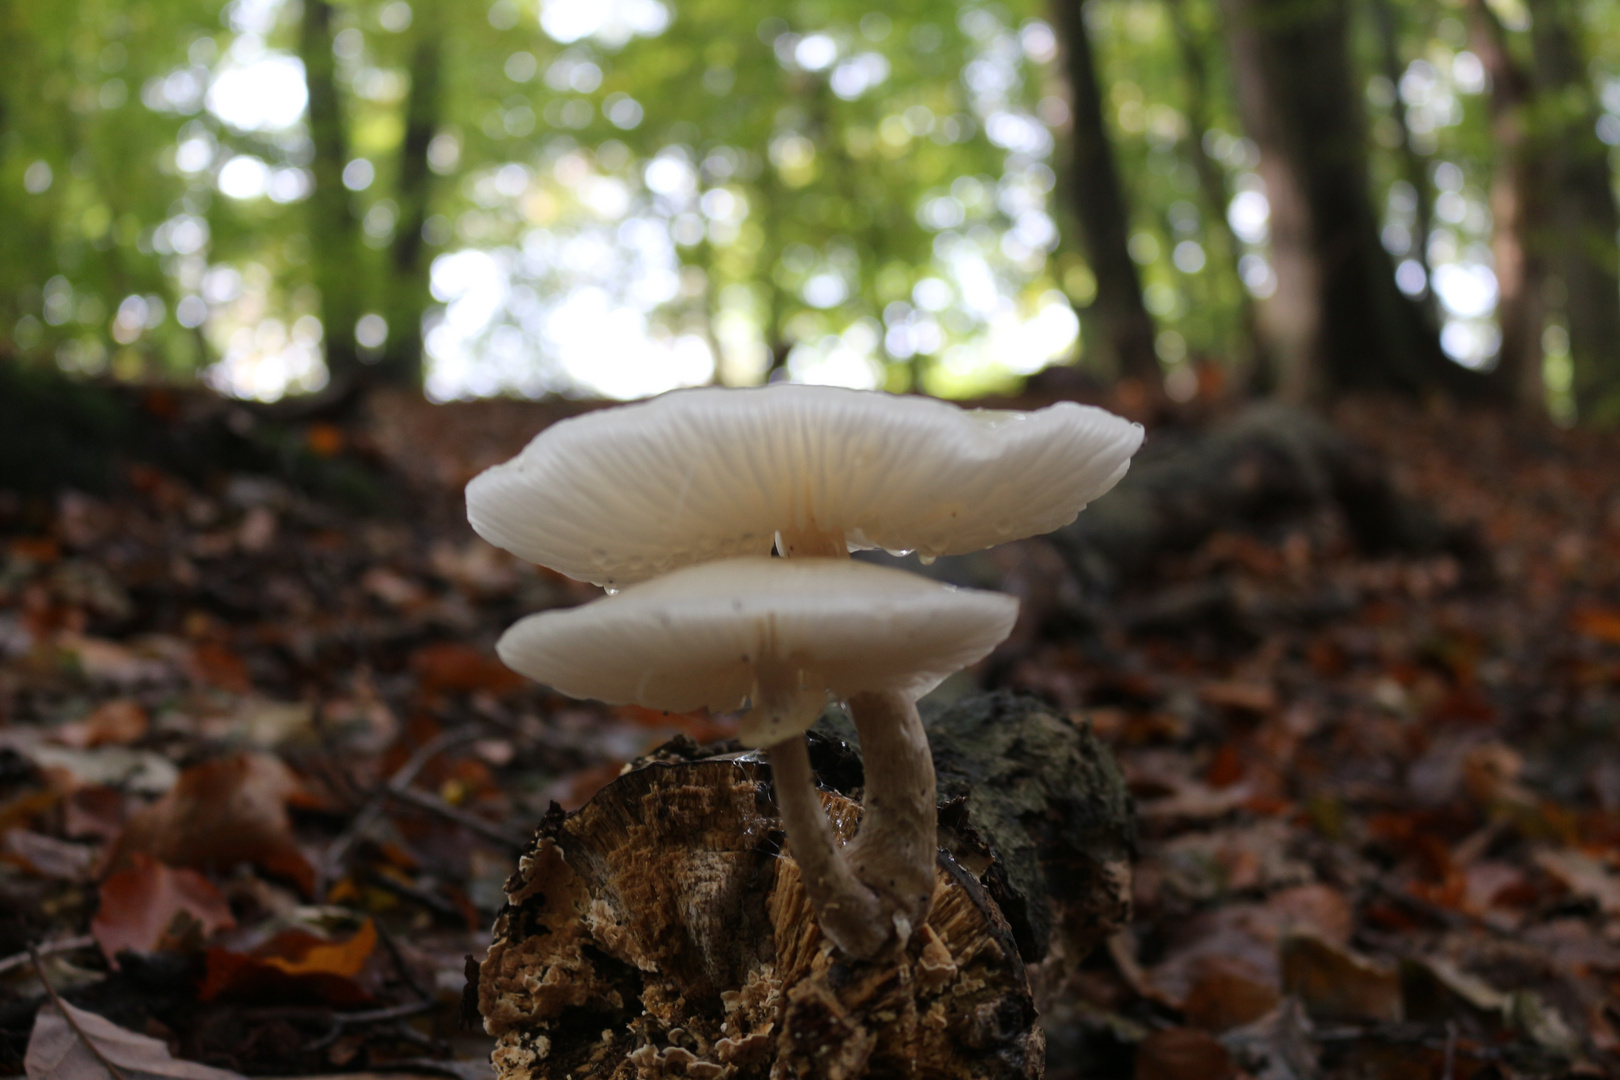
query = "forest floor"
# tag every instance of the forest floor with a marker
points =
(262, 779)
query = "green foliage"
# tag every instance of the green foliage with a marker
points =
(816, 182)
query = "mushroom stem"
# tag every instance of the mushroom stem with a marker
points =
(850, 913)
(809, 542)
(896, 847)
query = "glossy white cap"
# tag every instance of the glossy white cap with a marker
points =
(778, 634)
(624, 494)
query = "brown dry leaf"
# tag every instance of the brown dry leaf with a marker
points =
(1248, 934)
(96, 811)
(222, 812)
(1603, 624)
(1182, 1053)
(72, 1044)
(1490, 776)
(452, 666)
(138, 905)
(212, 664)
(1584, 876)
(1259, 699)
(1335, 984)
(1228, 993)
(47, 856)
(295, 965)
(119, 721)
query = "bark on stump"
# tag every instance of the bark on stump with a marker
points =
(662, 930)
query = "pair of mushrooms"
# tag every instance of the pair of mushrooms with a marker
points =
(680, 501)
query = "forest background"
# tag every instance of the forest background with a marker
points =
(262, 779)
(613, 199)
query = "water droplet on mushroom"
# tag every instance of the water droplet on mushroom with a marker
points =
(927, 560)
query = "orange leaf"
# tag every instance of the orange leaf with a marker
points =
(294, 965)
(1600, 623)
(452, 666)
(35, 549)
(138, 905)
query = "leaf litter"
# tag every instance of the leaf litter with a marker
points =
(261, 776)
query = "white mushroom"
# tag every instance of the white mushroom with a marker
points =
(780, 635)
(624, 494)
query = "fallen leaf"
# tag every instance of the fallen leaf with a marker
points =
(72, 1044)
(109, 662)
(295, 965)
(119, 722)
(1584, 876)
(139, 903)
(1603, 624)
(212, 664)
(96, 811)
(47, 856)
(257, 530)
(222, 812)
(1179, 1053)
(142, 771)
(1278, 1045)
(1257, 698)
(262, 723)
(1227, 993)
(1335, 984)
(454, 667)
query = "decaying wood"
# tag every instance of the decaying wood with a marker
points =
(662, 929)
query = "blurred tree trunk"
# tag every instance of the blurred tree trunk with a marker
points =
(1414, 170)
(1253, 364)
(1583, 211)
(333, 228)
(1519, 212)
(1337, 322)
(1117, 324)
(408, 295)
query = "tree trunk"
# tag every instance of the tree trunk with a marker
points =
(408, 293)
(1413, 168)
(1519, 212)
(1584, 213)
(1337, 322)
(333, 229)
(663, 930)
(1117, 324)
(1251, 359)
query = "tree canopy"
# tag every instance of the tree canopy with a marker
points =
(539, 196)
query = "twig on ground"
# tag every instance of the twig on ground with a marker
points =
(49, 948)
(61, 1007)
(338, 850)
(342, 1021)
(438, 905)
(471, 822)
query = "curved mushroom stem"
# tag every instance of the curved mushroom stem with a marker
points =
(895, 850)
(850, 913)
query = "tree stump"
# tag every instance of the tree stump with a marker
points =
(662, 929)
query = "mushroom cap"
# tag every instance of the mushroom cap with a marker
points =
(726, 633)
(625, 494)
